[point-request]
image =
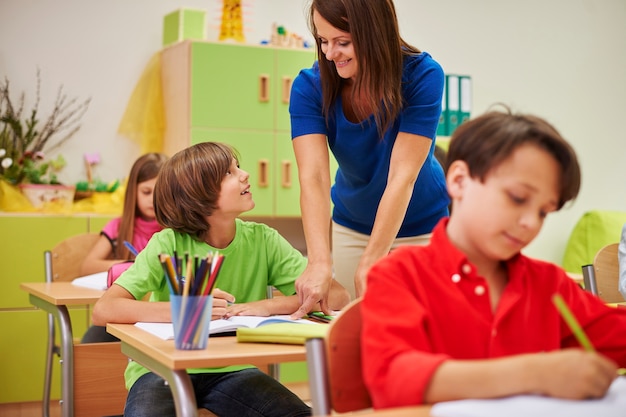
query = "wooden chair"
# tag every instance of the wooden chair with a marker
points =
(334, 366)
(601, 278)
(99, 388)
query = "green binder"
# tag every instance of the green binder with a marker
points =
(465, 98)
(288, 333)
(452, 102)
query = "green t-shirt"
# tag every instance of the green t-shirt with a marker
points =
(257, 257)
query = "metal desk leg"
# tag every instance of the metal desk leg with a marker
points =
(51, 350)
(67, 352)
(179, 381)
(318, 376)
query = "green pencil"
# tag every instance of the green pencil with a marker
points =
(571, 321)
(574, 326)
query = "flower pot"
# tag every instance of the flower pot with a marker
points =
(43, 196)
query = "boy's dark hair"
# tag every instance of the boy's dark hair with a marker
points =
(188, 187)
(486, 141)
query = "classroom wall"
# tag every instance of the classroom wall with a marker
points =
(562, 59)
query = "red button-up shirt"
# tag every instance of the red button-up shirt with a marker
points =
(427, 304)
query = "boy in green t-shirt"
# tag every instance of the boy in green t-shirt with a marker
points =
(199, 194)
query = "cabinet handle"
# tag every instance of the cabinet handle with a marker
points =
(264, 88)
(285, 181)
(286, 90)
(263, 174)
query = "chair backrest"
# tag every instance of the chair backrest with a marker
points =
(66, 257)
(334, 365)
(606, 268)
(343, 347)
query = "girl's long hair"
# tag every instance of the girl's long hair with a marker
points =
(144, 169)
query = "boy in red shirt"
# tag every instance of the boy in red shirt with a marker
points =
(469, 316)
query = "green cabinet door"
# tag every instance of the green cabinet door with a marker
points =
(289, 62)
(287, 184)
(23, 346)
(240, 95)
(231, 86)
(24, 240)
(24, 340)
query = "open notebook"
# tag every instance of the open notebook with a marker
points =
(613, 404)
(166, 330)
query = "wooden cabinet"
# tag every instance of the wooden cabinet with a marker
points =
(22, 326)
(238, 94)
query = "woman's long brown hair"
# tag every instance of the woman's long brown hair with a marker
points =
(379, 51)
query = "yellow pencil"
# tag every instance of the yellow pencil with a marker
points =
(188, 279)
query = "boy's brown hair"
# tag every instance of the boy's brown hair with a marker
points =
(486, 141)
(188, 187)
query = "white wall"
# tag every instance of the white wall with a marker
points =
(562, 59)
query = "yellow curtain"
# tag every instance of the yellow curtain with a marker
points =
(102, 203)
(12, 199)
(144, 118)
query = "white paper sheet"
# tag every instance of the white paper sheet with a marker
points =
(96, 281)
(612, 405)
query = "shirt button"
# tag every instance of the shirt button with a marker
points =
(479, 290)
(456, 278)
(494, 333)
(466, 269)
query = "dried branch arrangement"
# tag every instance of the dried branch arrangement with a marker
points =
(24, 137)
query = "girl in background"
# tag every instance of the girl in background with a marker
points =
(137, 225)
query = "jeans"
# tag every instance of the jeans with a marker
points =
(249, 392)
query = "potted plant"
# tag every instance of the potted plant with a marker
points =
(25, 140)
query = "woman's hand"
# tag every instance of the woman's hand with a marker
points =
(312, 287)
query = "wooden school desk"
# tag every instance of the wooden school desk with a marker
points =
(54, 298)
(162, 358)
(412, 411)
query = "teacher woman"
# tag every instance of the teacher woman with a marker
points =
(375, 101)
